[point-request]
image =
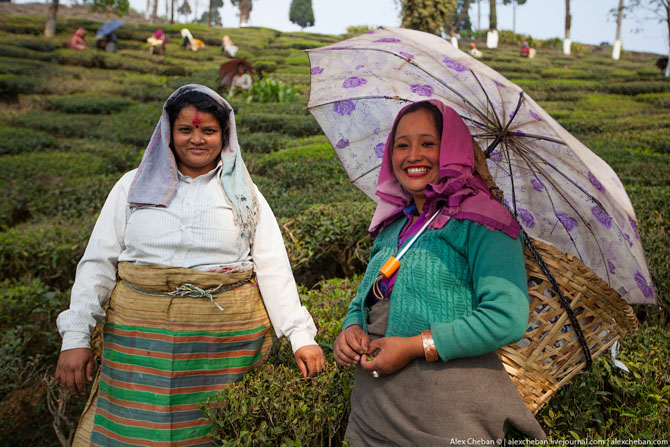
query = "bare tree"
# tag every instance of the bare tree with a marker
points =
(493, 15)
(50, 26)
(57, 399)
(616, 49)
(154, 12)
(568, 25)
(172, 12)
(147, 12)
(660, 10)
(492, 35)
(245, 11)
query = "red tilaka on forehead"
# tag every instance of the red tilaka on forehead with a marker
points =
(197, 121)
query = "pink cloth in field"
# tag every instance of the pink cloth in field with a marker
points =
(461, 192)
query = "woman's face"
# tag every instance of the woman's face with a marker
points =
(197, 141)
(416, 153)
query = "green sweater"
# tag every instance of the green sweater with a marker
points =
(464, 282)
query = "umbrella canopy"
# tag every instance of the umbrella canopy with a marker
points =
(559, 191)
(109, 27)
(228, 70)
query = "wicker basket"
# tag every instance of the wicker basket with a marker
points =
(550, 354)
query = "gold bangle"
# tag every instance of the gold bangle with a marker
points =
(429, 349)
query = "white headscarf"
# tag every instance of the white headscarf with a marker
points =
(156, 180)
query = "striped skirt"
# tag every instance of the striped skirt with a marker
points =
(165, 355)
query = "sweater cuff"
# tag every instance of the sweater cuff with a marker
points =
(351, 320)
(74, 340)
(301, 338)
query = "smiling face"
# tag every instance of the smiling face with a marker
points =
(416, 153)
(197, 141)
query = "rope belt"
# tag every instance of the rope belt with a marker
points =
(192, 291)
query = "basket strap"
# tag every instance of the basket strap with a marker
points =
(482, 169)
(564, 301)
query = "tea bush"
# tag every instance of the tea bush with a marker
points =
(71, 198)
(330, 236)
(265, 66)
(274, 405)
(291, 186)
(49, 167)
(608, 403)
(295, 125)
(657, 99)
(17, 141)
(638, 87)
(270, 90)
(12, 85)
(25, 53)
(74, 125)
(27, 348)
(262, 142)
(48, 251)
(91, 104)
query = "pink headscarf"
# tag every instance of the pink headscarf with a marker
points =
(461, 190)
(160, 35)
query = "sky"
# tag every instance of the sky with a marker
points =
(591, 21)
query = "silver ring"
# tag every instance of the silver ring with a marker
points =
(375, 374)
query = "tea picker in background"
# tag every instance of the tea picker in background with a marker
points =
(242, 80)
(423, 337)
(189, 42)
(526, 50)
(157, 42)
(474, 52)
(228, 48)
(105, 39)
(77, 42)
(192, 262)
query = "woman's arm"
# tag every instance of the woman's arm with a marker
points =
(280, 295)
(96, 271)
(94, 281)
(500, 283)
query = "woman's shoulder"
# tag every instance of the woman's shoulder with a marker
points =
(123, 185)
(126, 179)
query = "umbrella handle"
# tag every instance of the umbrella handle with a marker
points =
(390, 267)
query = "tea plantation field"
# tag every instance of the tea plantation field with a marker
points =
(72, 122)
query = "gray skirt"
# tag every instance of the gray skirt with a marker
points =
(436, 404)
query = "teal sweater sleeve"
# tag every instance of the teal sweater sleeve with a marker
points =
(500, 316)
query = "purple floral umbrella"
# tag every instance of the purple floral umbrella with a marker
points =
(560, 191)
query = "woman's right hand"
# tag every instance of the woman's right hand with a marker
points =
(74, 369)
(350, 345)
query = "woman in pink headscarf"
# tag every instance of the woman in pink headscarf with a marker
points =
(157, 42)
(423, 338)
(78, 42)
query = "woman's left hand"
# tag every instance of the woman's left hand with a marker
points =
(391, 354)
(310, 360)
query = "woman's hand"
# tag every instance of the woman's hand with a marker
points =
(392, 354)
(350, 345)
(310, 360)
(74, 369)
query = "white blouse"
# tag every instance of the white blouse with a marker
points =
(195, 231)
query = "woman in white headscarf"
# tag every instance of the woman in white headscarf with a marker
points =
(185, 246)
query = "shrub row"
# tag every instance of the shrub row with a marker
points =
(91, 104)
(49, 251)
(273, 405)
(134, 125)
(262, 142)
(12, 85)
(295, 125)
(608, 403)
(329, 240)
(17, 141)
